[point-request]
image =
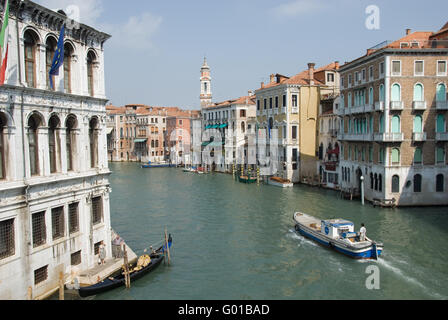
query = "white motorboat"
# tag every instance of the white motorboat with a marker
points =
(337, 234)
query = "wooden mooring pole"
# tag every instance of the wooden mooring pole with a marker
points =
(61, 286)
(126, 268)
(167, 247)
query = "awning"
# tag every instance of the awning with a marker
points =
(206, 143)
(225, 125)
(208, 127)
(140, 140)
(216, 144)
(109, 130)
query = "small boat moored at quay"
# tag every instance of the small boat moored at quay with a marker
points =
(146, 263)
(279, 182)
(339, 235)
(248, 180)
(150, 165)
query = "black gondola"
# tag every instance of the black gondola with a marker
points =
(112, 283)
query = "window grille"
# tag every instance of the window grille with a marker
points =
(73, 214)
(39, 229)
(57, 219)
(76, 258)
(97, 248)
(40, 275)
(7, 245)
(97, 209)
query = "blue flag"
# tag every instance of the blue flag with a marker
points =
(58, 58)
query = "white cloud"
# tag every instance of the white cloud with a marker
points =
(298, 7)
(88, 11)
(136, 33)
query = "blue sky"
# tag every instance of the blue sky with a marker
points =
(158, 47)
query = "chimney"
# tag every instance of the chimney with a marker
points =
(336, 64)
(408, 32)
(311, 72)
(272, 78)
(262, 85)
(370, 51)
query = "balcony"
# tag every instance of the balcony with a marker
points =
(419, 136)
(419, 105)
(379, 106)
(396, 105)
(368, 108)
(389, 137)
(442, 105)
(442, 136)
(355, 137)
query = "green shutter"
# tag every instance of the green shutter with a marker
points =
(418, 92)
(441, 92)
(395, 156)
(418, 124)
(440, 123)
(396, 124)
(440, 155)
(418, 156)
(396, 93)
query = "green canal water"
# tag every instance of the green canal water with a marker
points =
(235, 242)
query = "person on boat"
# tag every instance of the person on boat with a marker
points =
(362, 233)
(152, 250)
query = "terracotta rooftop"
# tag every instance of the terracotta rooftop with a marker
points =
(240, 100)
(301, 78)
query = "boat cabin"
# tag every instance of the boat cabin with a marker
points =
(337, 229)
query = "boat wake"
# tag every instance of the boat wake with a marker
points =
(407, 278)
(294, 235)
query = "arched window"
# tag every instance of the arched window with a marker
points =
(440, 123)
(70, 142)
(440, 155)
(371, 102)
(395, 156)
(395, 184)
(418, 124)
(51, 45)
(93, 141)
(441, 92)
(380, 183)
(418, 156)
(34, 123)
(349, 100)
(90, 73)
(30, 45)
(372, 181)
(396, 92)
(440, 183)
(376, 182)
(418, 92)
(243, 126)
(417, 183)
(382, 95)
(2, 148)
(53, 147)
(396, 124)
(381, 123)
(68, 52)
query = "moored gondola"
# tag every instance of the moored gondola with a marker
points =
(146, 264)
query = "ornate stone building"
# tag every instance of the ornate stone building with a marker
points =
(393, 121)
(54, 189)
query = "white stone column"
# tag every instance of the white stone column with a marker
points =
(41, 67)
(44, 157)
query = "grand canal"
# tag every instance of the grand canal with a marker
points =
(236, 241)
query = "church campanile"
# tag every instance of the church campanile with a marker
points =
(206, 81)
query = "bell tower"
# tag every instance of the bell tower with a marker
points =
(206, 81)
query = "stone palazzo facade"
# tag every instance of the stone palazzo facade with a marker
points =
(54, 189)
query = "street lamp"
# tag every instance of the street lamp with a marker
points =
(362, 190)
